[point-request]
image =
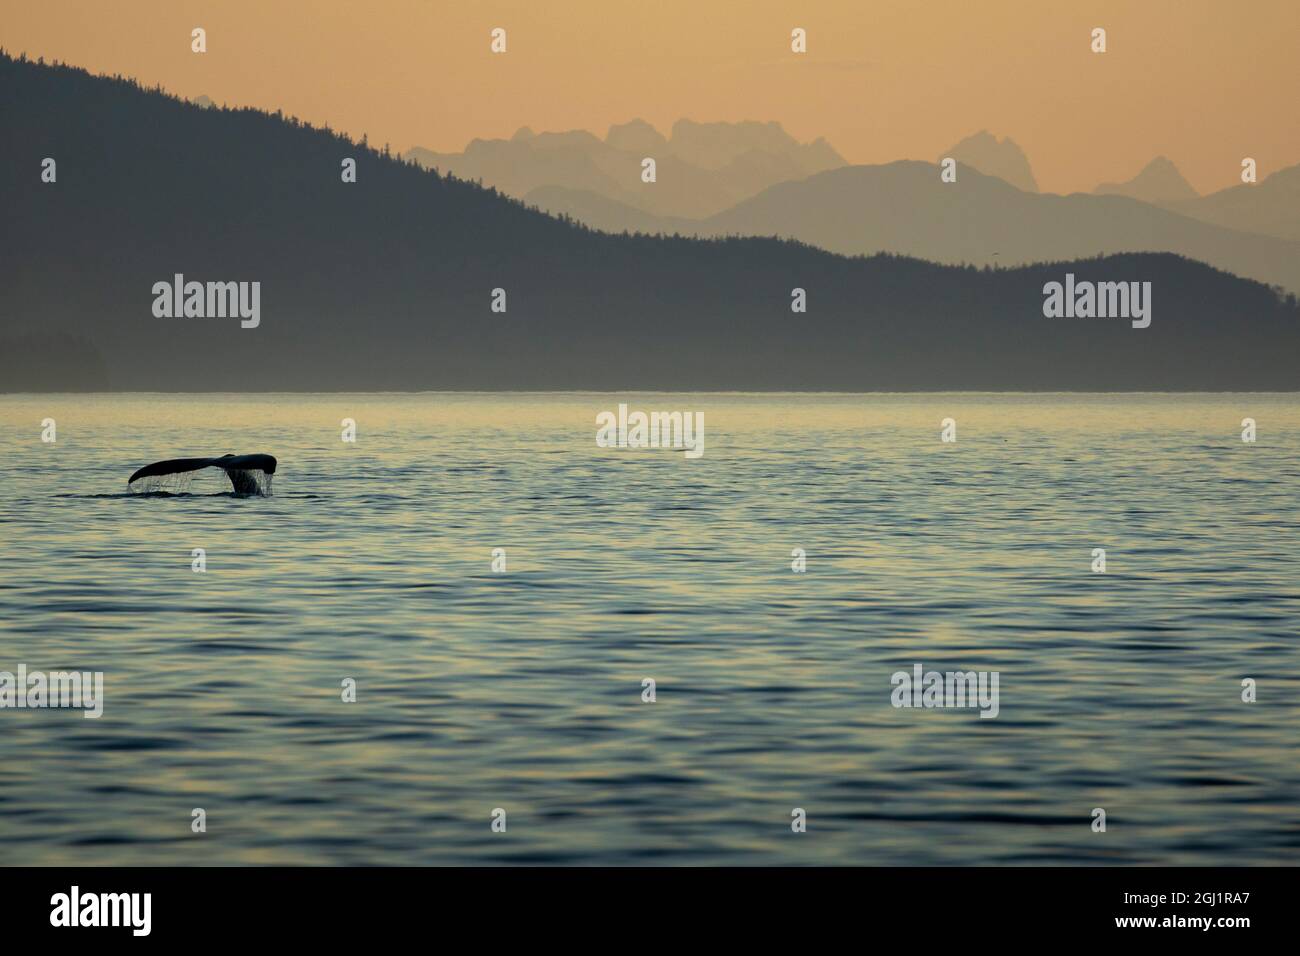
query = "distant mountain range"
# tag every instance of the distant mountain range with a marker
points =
(1270, 207)
(387, 283)
(1002, 158)
(701, 169)
(905, 208)
(724, 179)
(706, 171)
(1158, 182)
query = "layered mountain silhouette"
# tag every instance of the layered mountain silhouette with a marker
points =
(1158, 182)
(702, 168)
(991, 156)
(387, 283)
(904, 208)
(1270, 207)
(610, 215)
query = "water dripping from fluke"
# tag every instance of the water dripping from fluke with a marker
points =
(250, 475)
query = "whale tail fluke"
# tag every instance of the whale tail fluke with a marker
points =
(248, 474)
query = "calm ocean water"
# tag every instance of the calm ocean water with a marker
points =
(522, 690)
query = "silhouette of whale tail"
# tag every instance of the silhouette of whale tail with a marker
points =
(248, 474)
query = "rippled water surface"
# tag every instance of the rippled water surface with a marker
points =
(523, 690)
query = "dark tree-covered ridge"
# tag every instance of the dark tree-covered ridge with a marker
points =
(386, 283)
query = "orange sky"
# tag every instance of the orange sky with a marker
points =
(1205, 82)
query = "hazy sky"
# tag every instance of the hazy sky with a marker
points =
(1205, 82)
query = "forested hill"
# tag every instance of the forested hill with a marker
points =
(387, 283)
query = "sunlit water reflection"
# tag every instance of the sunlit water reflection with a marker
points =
(522, 690)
